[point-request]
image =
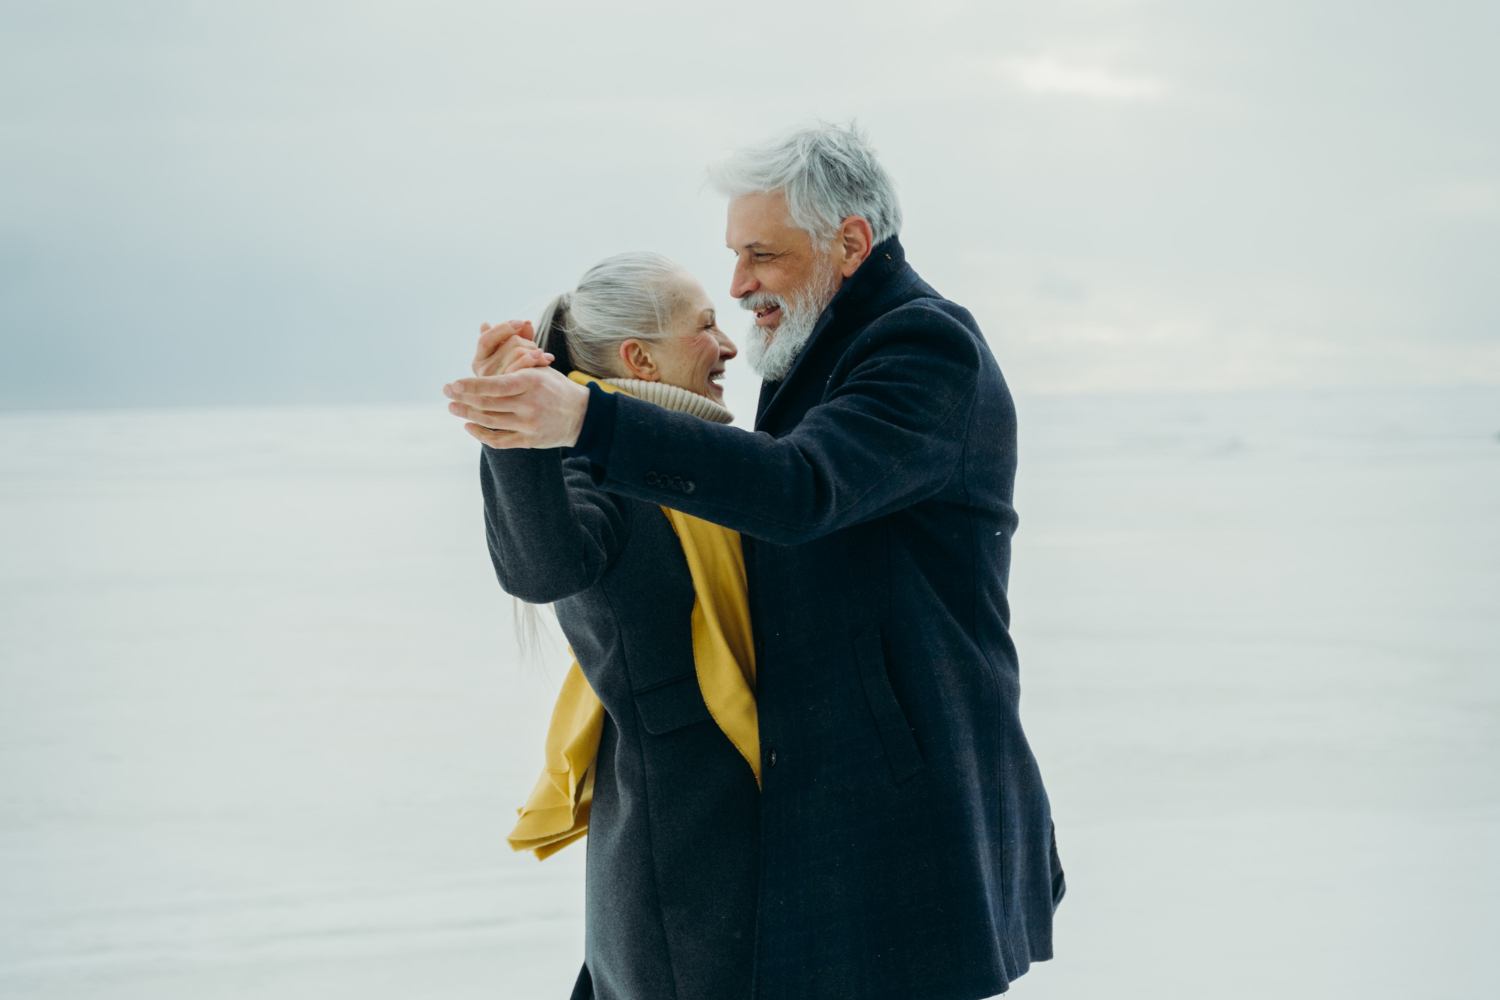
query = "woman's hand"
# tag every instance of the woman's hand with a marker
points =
(507, 347)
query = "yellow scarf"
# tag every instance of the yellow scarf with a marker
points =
(557, 813)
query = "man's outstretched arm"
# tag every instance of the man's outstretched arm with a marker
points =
(892, 434)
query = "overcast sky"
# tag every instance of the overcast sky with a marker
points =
(311, 201)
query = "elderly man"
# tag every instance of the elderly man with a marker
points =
(907, 846)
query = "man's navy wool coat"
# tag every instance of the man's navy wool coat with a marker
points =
(906, 842)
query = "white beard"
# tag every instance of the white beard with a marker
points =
(771, 353)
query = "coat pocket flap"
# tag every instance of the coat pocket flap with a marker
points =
(672, 705)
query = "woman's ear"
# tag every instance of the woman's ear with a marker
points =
(636, 357)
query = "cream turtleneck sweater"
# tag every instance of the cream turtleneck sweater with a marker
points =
(672, 397)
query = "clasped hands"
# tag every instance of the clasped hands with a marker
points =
(515, 399)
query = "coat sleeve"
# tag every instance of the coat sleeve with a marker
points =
(889, 435)
(552, 533)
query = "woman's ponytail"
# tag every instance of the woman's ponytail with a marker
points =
(627, 296)
(552, 332)
(552, 337)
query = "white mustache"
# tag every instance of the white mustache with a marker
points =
(756, 301)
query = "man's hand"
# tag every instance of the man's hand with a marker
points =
(507, 347)
(534, 408)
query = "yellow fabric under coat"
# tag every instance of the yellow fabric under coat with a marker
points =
(557, 813)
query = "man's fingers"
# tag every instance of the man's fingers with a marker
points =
(486, 386)
(495, 420)
(534, 408)
(489, 404)
(541, 407)
(494, 438)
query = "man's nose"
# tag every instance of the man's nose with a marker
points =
(742, 283)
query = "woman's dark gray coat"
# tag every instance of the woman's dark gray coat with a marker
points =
(673, 837)
(906, 839)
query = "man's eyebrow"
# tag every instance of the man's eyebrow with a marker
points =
(752, 245)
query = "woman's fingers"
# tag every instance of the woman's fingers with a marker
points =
(534, 358)
(492, 338)
(506, 357)
(503, 357)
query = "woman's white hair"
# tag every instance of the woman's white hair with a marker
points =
(827, 171)
(624, 297)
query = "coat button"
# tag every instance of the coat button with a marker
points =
(771, 756)
(651, 479)
(688, 486)
(676, 482)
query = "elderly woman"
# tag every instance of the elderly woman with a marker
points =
(653, 748)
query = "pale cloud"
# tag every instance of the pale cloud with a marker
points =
(1470, 199)
(282, 202)
(1053, 74)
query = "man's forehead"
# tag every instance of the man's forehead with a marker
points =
(758, 221)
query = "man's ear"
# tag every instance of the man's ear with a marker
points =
(636, 358)
(853, 244)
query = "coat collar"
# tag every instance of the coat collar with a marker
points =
(865, 294)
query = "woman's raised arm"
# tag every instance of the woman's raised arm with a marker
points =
(552, 532)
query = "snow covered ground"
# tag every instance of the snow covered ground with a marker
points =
(263, 726)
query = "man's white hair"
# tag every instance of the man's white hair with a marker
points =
(827, 171)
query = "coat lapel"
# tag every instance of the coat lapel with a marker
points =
(867, 292)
